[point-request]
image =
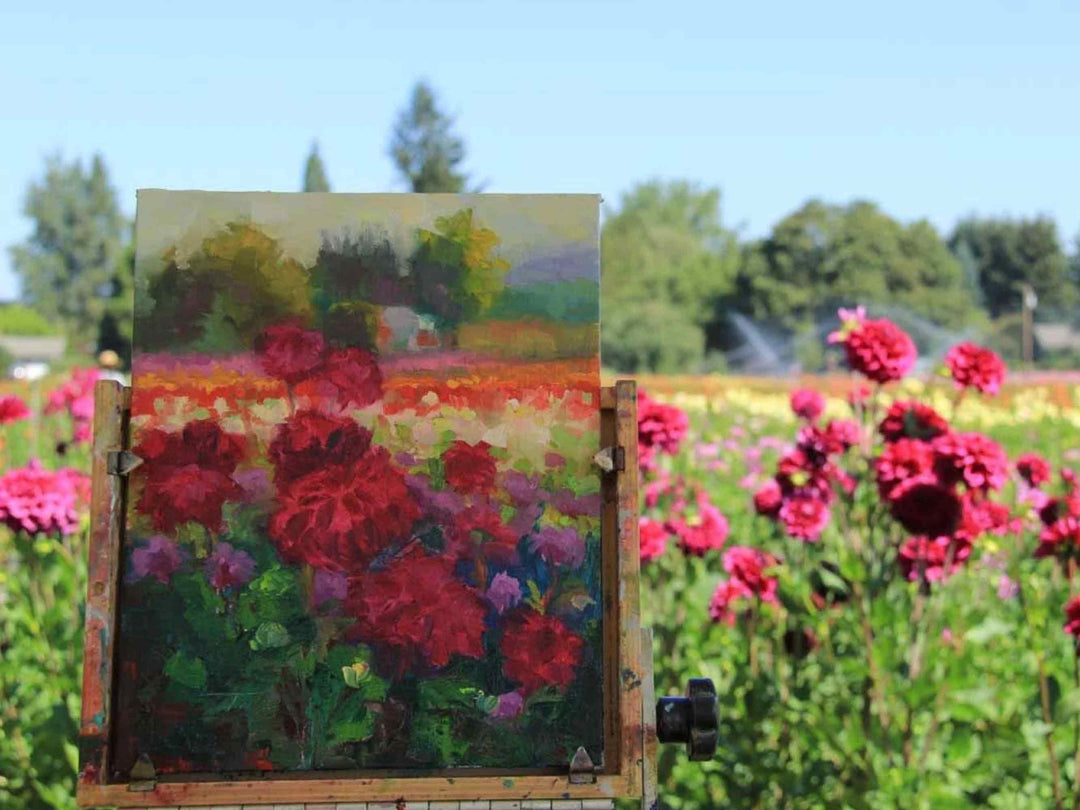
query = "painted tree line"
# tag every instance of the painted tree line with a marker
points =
(682, 291)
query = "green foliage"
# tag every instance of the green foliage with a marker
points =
(456, 274)
(315, 172)
(71, 267)
(666, 260)
(16, 319)
(1007, 253)
(424, 148)
(824, 255)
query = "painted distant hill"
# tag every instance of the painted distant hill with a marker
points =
(568, 264)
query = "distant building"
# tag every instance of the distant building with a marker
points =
(32, 356)
(1057, 337)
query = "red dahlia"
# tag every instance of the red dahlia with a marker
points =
(1072, 616)
(469, 467)
(418, 612)
(924, 506)
(12, 409)
(707, 533)
(804, 517)
(808, 404)
(290, 352)
(900, 461)
(879, 350)
(843, 434)
(340, 517)
(1061, 536)
(661, 428)
(972, 366)
(768, 499)
(727, 592)
(654, 539)
(539, 650)
(976, 460)
(932, 558)
(747, 565)
(912, 420)
(309, 440)
(1033, 468)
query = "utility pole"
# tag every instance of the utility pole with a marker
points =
(1030, 301)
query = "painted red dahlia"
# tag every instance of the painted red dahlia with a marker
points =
(417, 613)
(900, 461)
(808, 404)
(12, 409)
(469, 467)
(480, 530)
(923, 506)
(188, 494)
(201, 442)
(340, 517)
(973, 366)
(290, 352)
(539, 650)
(654, 539)
(309, 440)
(1033, 468)
(804, 517)
(910, 419)
(1072, 616)
(878, 349)
(353, 375)
(976, 460)
(747, 565)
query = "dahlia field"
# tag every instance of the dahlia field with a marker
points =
(876, 569)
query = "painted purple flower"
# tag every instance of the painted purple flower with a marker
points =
(439, 505)
(524, 520)
(228, 567)
(159, 558)
(559, 546)
(256, 484)
(329, 586)
(510, 705)
(521, 488)
(573, 505)
(504, 592)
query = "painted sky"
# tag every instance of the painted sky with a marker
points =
(932, 109)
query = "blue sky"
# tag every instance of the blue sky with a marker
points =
(932, 109)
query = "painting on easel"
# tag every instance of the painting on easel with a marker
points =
(365, 532)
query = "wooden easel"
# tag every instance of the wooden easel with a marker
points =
(630, 718)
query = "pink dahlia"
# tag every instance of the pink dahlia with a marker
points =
(973, 366)
(878, 349)
(804, 517)
(808, 404)
(976, 460)
(40, 501)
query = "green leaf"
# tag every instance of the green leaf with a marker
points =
(186, 670)
(270, 635)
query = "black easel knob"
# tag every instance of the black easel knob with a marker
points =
(693, 719)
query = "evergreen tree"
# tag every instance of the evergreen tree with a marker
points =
(315, 172)
(72, 267)
(424, 147)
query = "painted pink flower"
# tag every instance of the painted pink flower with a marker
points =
(508, 705)
(804, 517)
(561, 546)
(808, 404)
(228, 567)
(159, 558)
(504, 592)
(329, 586)
(973, 366)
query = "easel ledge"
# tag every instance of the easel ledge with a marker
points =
(630, 732)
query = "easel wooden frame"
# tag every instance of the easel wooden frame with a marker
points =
(630, 740)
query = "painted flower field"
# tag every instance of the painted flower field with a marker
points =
(876, 570)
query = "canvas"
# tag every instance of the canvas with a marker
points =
(365, 533)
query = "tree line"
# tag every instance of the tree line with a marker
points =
(681, 290)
